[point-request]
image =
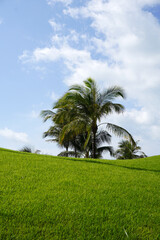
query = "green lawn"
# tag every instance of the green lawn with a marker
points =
(45, 197)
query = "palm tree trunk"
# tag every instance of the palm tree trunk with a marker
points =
(87, 154)
(94, 144)
(75, 151)
(94, 131)
(67, 151)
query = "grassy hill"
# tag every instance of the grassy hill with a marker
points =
(45, 197)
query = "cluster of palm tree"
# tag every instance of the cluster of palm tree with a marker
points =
(76, 120)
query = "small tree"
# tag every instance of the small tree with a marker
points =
(26, 149)
(129, 150)
(29, 150)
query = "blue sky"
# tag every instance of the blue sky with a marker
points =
(46, 46)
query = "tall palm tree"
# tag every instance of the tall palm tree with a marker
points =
(83, 106)
(128, 150)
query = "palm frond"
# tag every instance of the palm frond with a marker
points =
(47, 114)
(106, 149)
(76, 126)
(110, 107)
(79, 89)
(111, 93)
(103, 136)
(119, 131)
(90, 83)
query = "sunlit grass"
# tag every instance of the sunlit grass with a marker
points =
(45, 197)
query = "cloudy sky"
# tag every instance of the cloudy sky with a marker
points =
(48, 45)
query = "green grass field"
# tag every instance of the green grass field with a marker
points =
(45, 197)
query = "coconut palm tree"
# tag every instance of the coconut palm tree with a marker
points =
(128, 150)
(83, 107)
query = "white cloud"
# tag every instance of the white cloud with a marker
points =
(141, 116)
(17, 136)
(71, 56)
(56, 27)
(133, 50)
(132, 42)
(24, 57)
(155, 132)
(65, 2)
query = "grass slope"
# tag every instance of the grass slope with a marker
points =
(45, 197)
